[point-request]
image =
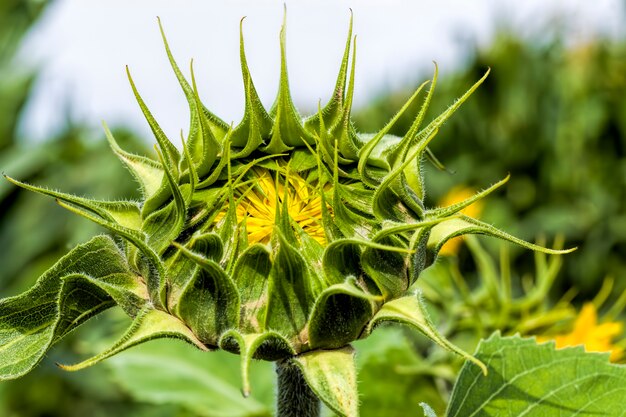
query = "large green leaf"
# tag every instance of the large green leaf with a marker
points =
(527, 379)
(162, 372)
(125, 288)
(119, 218)
(62, 299)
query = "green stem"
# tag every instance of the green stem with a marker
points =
(295, 398)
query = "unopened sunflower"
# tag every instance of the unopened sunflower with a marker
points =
(284, 238)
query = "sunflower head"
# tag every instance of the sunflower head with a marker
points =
(281, 238)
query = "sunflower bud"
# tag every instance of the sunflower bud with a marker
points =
(282, 238)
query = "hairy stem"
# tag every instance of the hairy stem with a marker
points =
(295, 398)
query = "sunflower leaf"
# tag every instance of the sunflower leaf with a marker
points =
(207, 384)
(62, 299)
(530, 379)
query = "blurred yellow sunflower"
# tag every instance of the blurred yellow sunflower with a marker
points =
(594, 336)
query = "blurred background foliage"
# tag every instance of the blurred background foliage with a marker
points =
(34, 232)
(75, 160)
(550, 113)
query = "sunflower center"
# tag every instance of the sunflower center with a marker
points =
(261, 202)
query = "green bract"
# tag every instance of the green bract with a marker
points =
(283, 238)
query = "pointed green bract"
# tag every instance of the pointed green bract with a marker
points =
(456, 208)
(342, 259)
(332, 377)
(391, 199)
(256, 124)
(334, 108)
(205, 147)
(463, 225)
(366, 151)
(428, 411)
(288, 129)
(201, 142)
(149, 324)
(343, 131)
(209, 303)
(124, 213)
(387, 269)
(410, 310)
(171, 154)
(339, 316)
(290, 297)
(269, 345)
(251, 274)
(148, 173)
(165, 224)
(399, 151)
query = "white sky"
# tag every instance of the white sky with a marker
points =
(83, 45)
